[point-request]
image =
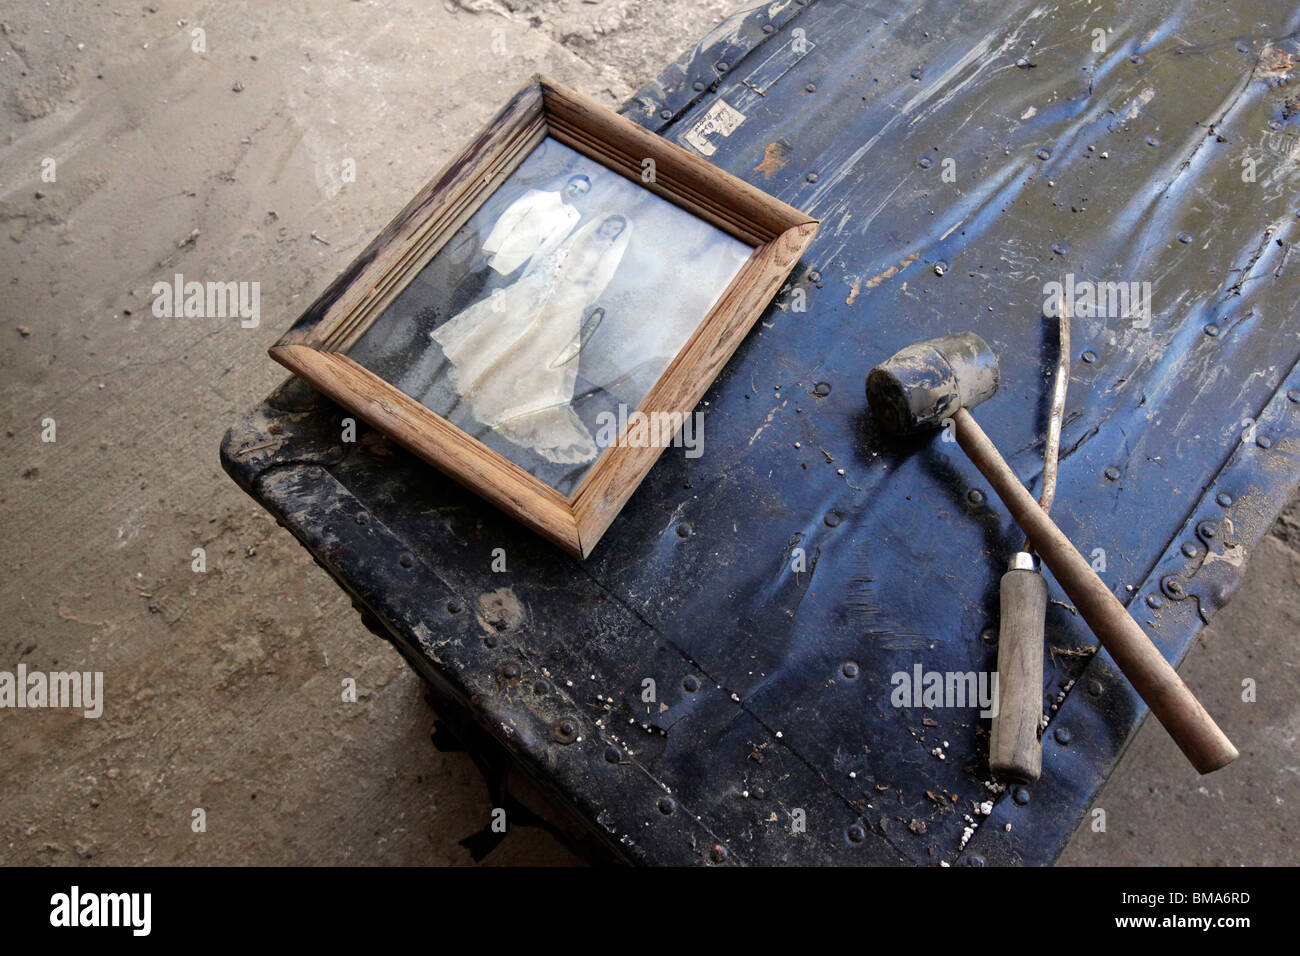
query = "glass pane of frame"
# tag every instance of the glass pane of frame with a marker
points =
(544, 321)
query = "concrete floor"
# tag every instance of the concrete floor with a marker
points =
(223, 687)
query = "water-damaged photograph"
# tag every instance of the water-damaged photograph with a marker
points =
(567, 295)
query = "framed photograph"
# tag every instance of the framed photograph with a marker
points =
(541, 321)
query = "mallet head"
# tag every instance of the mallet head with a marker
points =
(925, 383)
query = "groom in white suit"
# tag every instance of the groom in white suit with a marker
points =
(530, 229)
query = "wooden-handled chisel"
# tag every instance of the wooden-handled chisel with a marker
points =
(1015, 753)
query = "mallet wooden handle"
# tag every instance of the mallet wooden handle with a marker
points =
(1174, 705)
(1014, 751)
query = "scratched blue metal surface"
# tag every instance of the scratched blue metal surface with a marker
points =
(960, 157)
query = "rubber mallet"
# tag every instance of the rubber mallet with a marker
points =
(935, 383)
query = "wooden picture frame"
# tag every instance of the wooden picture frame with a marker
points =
(314, 347)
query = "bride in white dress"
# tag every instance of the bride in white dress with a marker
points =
(513, 356)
